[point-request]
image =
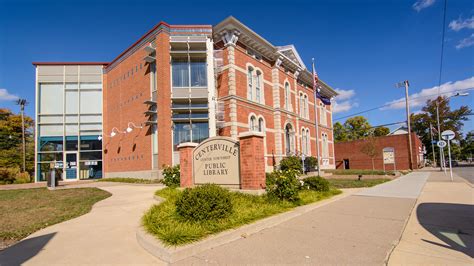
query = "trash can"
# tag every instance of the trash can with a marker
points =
(49, 177)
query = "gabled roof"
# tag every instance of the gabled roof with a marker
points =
(291, 53)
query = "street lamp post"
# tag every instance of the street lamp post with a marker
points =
(22, 103)
(441, 150)
(410, 150)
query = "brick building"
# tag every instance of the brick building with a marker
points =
(350, 154)
(184, 83)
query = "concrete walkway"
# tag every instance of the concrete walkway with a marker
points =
(440, 230)
(106, 235)
(359, 229)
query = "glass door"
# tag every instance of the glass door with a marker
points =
(71, 165)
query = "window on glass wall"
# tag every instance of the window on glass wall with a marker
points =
(50, 144)
(189, 72)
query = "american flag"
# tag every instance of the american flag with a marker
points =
(315, 76)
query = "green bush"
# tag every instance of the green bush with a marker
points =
(8, 175)
(21, 178)
(171, 176)
(206, 202)
(316, 183)
(310, 163)
(291, 163)
(283, 185)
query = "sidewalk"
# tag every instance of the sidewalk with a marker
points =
(440, 230)
(359, 229)
(106, 235)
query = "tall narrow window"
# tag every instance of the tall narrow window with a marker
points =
(325, 145)
(308, 143)
(301, 105)
(250, 83)
(303, 141)
(323, 115)
(306, 105)
(253, 123)
(289, 139)
(287, 96)
(261, 125)
(258, 93)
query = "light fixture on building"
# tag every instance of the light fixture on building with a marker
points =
(112, 134)
(99, 137)
(131, 126)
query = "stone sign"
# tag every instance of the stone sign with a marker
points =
(216, 160)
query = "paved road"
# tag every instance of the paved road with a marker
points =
(106, 235)
(466, 172)
(359, 229)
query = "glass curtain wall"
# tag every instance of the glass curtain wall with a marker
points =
(189, 81)
(69, 118)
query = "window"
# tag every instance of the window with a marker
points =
(323, 114)
(189, 72)
(250, 83)
(287, 96)
(303, 141)
(308, 142)
(306, 105)
(185, 132)
(325, 145)
(258, 80)
(261, 125)
(253, 123)
(302, 114)
(289, 134)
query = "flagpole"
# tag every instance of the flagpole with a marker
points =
(316, 117)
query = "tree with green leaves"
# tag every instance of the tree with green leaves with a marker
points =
(11, 143)
(449, 119)
(355, 128)
(467, 146)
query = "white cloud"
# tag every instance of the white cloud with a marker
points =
(344, 101)
(6, 96)
(420, 98)
(422, 4)
(460, 24)
(466, 42)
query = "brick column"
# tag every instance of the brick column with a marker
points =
(252, 160)
(186, 163)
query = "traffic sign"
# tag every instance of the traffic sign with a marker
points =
(448, 135)
(441, 143)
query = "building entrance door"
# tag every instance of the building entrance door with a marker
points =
(71, 165)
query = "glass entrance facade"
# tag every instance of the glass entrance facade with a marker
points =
(69, 121)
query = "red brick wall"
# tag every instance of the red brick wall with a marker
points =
(252, 162)
(357, 160)
(126, 87)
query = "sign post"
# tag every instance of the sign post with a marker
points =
(449, 135)
(389, 157)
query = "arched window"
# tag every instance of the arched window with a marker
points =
(306, 107)
(261, 125)
(253, 123)
(289, 134)
(258, 85)
(322, 114)
(303, 141)
(325, 145)
(308, 142)
(250, 83)
(301, 98)
(287, 96)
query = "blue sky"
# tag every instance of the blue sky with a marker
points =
(362, 48)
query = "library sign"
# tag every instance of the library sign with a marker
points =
(216, 160)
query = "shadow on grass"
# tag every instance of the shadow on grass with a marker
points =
(24, 250)
(450, 223)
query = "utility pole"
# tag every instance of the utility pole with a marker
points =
(410, 150)
(22, 103)
(441, 151)
(432, 145)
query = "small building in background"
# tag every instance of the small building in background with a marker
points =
(389, 153)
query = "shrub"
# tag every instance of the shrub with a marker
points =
(310, 163)
(291, 163)
(316, 183)
(206, 202)
(21, 178)
(171, 176)
(8, 175)
(283, 185)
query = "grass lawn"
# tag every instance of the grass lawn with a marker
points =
(25, 211)
(163, 222)
(129, 180)
(354, 183)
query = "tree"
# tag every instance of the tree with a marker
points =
(357, 127)
(369, 148)
(10, 140)
(467, 146)
(449, 119)
(340, 132)
(381, 131)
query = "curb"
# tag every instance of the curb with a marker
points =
(171, 254)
